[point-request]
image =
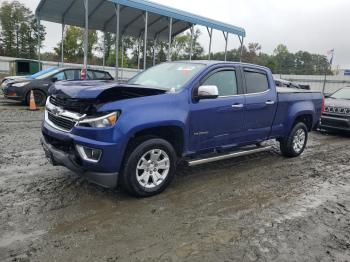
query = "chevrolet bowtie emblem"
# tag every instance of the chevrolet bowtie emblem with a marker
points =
(56, 111)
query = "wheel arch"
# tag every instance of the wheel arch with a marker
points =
(174, 134)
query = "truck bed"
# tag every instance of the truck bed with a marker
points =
(290, 101)
(293, 90)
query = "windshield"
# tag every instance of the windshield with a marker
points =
(167, 76)
(42, 72)
(48, 74)
(343, 93)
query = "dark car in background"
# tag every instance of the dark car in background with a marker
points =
(337, 111)
(13, 78)
(285, 83)
(19, 89)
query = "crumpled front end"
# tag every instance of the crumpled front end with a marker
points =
(93, 153)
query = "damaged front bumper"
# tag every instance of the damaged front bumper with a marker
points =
(69, 160)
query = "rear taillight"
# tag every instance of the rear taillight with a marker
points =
(323, 107)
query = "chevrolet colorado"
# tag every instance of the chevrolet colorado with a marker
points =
(134, 134)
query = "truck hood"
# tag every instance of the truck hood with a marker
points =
(101, 91)
(337, 102)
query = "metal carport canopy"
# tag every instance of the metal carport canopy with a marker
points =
(129, 18)
(102, 16)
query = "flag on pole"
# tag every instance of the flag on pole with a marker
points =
(331, 53)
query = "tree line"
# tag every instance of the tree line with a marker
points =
(19, 32)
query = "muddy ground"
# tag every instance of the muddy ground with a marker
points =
(258, 208)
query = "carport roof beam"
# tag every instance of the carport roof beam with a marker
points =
(101, 11)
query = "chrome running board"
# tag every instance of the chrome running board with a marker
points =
(197, 162)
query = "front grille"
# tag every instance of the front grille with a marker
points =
(337, 116)
(61, 122)
(69, 104)
(337, 110)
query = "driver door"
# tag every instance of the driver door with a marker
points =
(219, 122)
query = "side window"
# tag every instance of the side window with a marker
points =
(90, 75)
(77, 74)
(100, 75)
(60, 76)
(256, 82)
(225, 81)
(108, 76)
(70, 74)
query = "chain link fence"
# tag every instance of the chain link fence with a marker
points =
(316, 82)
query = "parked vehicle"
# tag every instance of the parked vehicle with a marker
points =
(19, 89)
(10, 79)
(337, 111)
(286, 83)
(198, 112)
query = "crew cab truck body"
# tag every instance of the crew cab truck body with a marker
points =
(134, 134)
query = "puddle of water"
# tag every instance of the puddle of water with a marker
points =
(10, 238)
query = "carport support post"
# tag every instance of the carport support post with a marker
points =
(122, 65)
(117, 12)
(170, 32)
(210, 38)
(154, 50)
(226, 40)
(62, 45)
(138, 52)
(39, 40)
(191, 43)
(86, 35)
(241, 53)
(104, 51)
(145, 42)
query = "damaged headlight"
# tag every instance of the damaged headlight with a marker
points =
(105, 121)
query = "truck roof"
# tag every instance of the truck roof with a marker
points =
(214, 62)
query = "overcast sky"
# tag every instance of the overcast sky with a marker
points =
(311, 25)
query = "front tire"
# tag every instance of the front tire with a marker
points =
(149, 168)
(294, 144)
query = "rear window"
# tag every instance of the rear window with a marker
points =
(256, 82)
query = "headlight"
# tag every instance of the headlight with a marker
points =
(20, 84)
(100, 122)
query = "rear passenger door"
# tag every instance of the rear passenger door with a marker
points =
(261, 102)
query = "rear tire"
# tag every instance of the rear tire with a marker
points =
(150, 166)
(294, 144)
(39, 97)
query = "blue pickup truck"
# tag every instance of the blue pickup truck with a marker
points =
(135, 134)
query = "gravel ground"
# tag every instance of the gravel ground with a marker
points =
(258, 208)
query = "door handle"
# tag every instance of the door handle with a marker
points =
(269, 102)
(237, 106)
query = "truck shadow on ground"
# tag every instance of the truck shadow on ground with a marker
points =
(188, 177)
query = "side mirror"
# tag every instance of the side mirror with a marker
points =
(207, 92)
(54, 79)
